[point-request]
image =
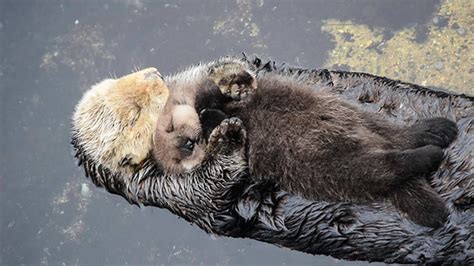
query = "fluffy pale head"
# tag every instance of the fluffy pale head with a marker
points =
(178, 143)
(115, 120)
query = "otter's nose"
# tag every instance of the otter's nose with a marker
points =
(151, 74)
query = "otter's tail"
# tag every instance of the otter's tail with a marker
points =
(421, 203)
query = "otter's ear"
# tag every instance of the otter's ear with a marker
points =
(169, 127)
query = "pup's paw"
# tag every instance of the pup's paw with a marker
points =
(234, 79)
(434, 131)
(210, 119)
(228, 137)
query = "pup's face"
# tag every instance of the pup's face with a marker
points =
(116, 118)
(178, 143)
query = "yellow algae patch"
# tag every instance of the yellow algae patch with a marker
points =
(445, 59)
(239, 23)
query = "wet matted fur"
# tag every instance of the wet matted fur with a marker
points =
(238, 207)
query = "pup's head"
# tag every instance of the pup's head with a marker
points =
(114, 121)
(178, 143)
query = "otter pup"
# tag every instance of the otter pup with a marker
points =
(318, 146)
(178, 132)
(180, 141)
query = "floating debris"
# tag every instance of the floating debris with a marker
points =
(85, 190)
(239, 23)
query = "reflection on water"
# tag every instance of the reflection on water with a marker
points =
(52, 51)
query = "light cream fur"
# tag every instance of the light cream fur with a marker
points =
(116, 118)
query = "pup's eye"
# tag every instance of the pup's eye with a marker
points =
(189, 145)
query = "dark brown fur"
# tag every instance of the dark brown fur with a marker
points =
(320, 147)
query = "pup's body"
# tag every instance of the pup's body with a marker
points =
(320, 147)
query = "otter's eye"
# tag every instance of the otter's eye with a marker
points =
(189, 145)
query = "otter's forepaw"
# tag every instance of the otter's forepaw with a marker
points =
(228, 137)
(434, 131)
(234, 80)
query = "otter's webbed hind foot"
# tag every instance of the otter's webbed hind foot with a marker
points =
(415, 162)
(227, 138)
(421, 203)
(433, 131)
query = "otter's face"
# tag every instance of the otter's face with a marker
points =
(116, 118)
(178, 143)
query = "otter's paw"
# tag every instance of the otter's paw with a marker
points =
(434, 131)
(228, 137)
(210, 119)
(235, 80)
(416, 162)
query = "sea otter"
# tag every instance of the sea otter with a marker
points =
(373, 232)
(311, 143)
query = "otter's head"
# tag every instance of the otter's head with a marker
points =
(115, 120)
(178, 143)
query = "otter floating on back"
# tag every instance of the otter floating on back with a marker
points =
(372, 232)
